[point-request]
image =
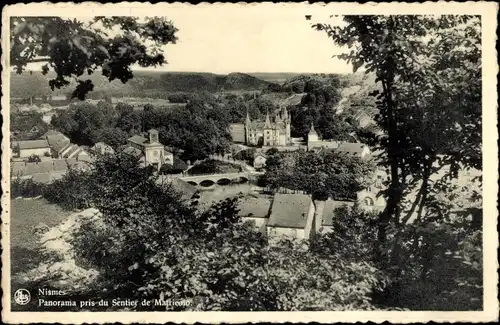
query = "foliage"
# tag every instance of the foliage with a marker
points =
(198, 129)
(318, 107)
(325, 174)
(354, 231)
(23, 122)
(34, 159)
(25, 188)
(152, 245)
(419, 61)
(213, 167)
(73, 48)
(82, 122)
(112, 136)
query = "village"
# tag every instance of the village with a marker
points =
(241, 170)
(287, 212)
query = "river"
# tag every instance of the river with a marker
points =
(221, 192)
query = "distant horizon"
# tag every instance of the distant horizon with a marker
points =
(157, 70)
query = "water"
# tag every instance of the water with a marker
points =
(221, 192)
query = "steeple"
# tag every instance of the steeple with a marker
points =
(312, 130)
(247, 120)
(312, 136)
(267, 124)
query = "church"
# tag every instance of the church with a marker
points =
(267, 133)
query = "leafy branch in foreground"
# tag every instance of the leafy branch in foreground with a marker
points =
(72, 47)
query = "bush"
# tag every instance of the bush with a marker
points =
(26, 188)
(34, 158)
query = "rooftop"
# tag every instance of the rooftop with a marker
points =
(355, 148)
(290, 210)
(329, 210)
(137, 139)
(33, 144)
(254, 207)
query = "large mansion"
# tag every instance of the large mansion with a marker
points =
(267, 133)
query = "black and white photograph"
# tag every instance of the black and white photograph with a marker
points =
(230, 158)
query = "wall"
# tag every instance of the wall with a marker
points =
(37, 152)
(309, 230)
(274, 233)
(318, 215)
(260, 223)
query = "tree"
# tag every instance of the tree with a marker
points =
(80, 122)
(111, 136)
(415, 74)
(72, 48)
(324, 175)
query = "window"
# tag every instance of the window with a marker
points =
(368, 201)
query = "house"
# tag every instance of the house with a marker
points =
(326, 211)
(44, 171)
(369, 199)
(267, 133)
(259, 160)
(314, 143)
(25, 149)
(255, 210)
(292, 216)
(359, 150)
(102, 148)
(57, 142)
(151, 151)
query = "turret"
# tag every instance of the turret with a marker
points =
(153, 136)
(267, 124)
(313, 135)
(247, 120)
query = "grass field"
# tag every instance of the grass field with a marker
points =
(26, 214)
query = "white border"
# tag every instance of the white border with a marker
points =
(488, 12)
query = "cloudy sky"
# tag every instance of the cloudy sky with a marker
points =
(245, 39)
(250, 41)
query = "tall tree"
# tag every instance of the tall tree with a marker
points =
(430, 102)
(73, 48)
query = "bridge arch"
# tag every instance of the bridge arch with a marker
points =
(207, 183)
(224, 181)
(193, 183)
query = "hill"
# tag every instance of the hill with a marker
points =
(152, 84)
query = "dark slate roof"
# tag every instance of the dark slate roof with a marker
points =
(254, 207)
(132, 151)
(290, 210)
(58, 145)
(137, 139)
(329, 210)
(33, 144)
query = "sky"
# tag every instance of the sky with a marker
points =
(246, 39)
(250, 41)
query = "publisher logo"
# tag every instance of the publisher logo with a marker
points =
(22, 296)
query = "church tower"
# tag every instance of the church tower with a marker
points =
(313, 135)
(248, 124)
(268, 131)
(288, 122)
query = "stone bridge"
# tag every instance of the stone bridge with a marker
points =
(220, 179)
